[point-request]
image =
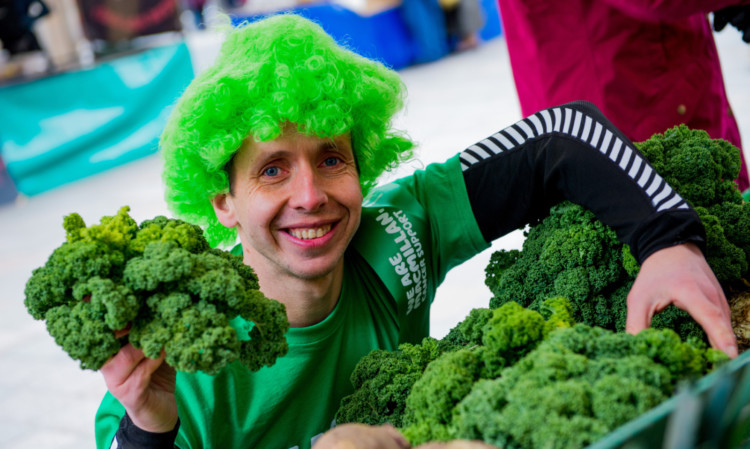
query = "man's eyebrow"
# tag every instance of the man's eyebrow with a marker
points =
(284, 150)
(328, 145)
(331, 144)
(281, 152)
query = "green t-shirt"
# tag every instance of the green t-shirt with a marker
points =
(412, 232)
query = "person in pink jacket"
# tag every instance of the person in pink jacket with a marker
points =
(648, 64)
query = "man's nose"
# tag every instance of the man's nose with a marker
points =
(308, 191)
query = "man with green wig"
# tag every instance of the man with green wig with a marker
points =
(280, 145)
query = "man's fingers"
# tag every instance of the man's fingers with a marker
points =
(681, 276)
(712, 316)
(721, 338)
(119, 333)
(715, 319)
(638, 317)
(397, 437)
(708, 306)
(708, 309)
(129, 364)
(361, 436)
(128, 356)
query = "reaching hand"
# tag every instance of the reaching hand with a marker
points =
(145, 387)
(737, 16)
(681, 276)
(360, 436)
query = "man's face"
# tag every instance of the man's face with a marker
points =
(296, 202)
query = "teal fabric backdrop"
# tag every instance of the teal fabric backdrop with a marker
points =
(62, 128)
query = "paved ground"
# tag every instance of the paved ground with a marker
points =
(46, 401)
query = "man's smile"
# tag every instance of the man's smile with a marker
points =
(309, 233)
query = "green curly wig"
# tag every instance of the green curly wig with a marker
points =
(281, 69)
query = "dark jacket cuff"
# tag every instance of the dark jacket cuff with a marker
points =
(130, 436)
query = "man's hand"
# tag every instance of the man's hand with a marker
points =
(360, 436)
(145, 387)
(738, 16)
(681, 276)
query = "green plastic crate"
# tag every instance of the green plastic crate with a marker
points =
(713, 412)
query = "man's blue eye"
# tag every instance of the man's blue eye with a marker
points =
(331, 161)
(271, 171)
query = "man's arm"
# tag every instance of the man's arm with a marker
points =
(573, 152)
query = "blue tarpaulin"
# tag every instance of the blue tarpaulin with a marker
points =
(62, 128)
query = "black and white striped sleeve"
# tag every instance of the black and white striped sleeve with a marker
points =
(572, 152)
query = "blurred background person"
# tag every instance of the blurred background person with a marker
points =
(8, 192)
(648, 64)
(197, 11)
(17, 18)
(439, 27)
(463, 20)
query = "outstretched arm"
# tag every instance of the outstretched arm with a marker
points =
(572, 152)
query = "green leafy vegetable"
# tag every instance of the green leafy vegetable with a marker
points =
(534, 380)
(163, 283)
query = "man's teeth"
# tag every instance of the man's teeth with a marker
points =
(310, 233)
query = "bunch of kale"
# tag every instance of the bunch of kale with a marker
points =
(158, 286)
(523, 379)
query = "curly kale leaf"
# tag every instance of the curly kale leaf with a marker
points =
(702, 170)
(469, 331)
(382, 381)
(727, 239)
(117, 302)
(82, 333)
(509, 333)
(116, 231)
(163, 229)
(571, 254)
(444, 383)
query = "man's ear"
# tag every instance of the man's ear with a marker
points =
(224, 210)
